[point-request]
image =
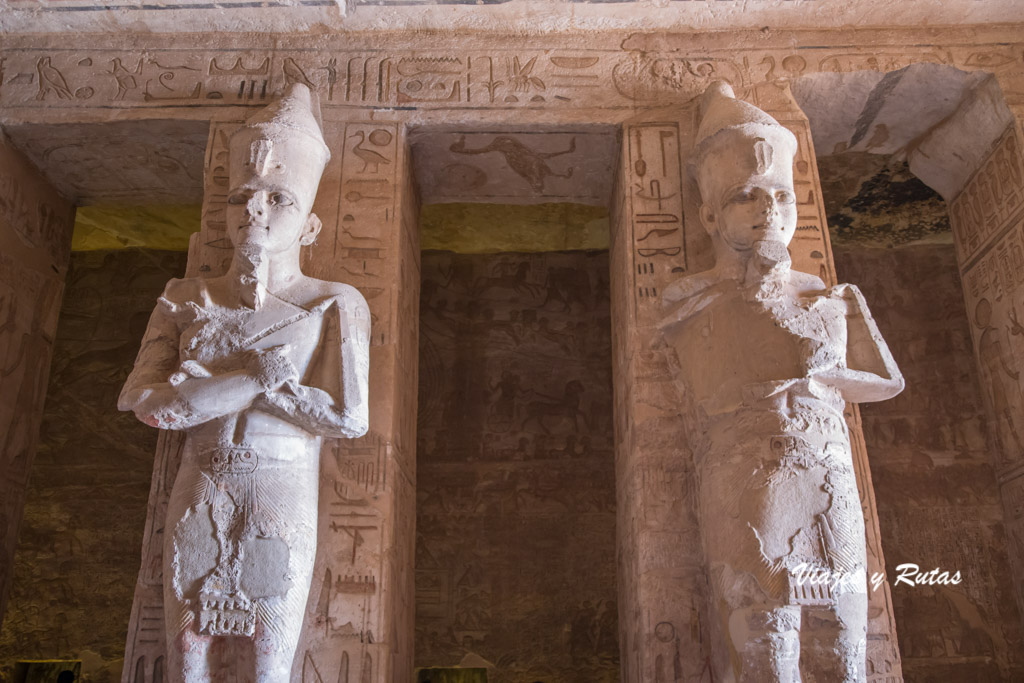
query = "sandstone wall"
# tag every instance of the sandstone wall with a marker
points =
(371, 82)
(515, 551)
(35, 237)
(938, 501)
(85, 508)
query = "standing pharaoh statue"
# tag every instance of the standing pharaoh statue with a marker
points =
(255, 366)
(767, 357)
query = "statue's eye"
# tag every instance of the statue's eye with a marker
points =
(237, 198)
(280, 199)
(785, 197)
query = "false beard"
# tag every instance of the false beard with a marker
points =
(252, 266)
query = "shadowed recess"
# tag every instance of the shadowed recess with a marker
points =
(470, 228)
(165, 227)
(875, 201)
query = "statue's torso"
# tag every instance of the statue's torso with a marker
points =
(747, 355)
(218, 334)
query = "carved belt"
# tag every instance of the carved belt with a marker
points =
(233, 460)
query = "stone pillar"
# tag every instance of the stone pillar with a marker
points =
(359, 616)
(656, 238)
(975, 159)
(35, 243)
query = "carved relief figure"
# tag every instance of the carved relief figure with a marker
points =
(767, 358)
(1003, 378)
(256, 366)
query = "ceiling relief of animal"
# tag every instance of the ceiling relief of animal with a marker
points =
(529, 164)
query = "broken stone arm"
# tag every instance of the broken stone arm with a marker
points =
(335, 402)
(315, 410)
(870, 372)
(190, 395)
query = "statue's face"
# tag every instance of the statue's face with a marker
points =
(273, 185)
(268, 213)
(762, 208)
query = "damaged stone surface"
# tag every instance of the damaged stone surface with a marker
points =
(767, 356)
(255, 366)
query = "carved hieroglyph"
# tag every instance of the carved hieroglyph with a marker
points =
(767, 355)
(255, 366)
(988, 226)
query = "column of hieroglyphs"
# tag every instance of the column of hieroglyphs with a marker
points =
(655, 239)
(35, 242)
(975, 159)
(359, 614)
(660, 565)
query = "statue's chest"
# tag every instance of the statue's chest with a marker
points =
(737, 342)
(216, 336)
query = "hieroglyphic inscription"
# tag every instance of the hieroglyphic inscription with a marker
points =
(990, 201)
(35, 240)
(990, 245)
(654, 173)
(344, 634)
(366, 199)
(508, 75)
(809, 248)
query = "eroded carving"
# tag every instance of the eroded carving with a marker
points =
(768, 355)
(256, 366)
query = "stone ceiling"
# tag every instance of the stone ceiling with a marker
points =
(506, 167)
(124, 162)
(515, 16)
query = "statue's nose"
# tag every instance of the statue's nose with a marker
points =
(256, 204)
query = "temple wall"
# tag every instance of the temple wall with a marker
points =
(35, 238)
(515, 557)
(938, 500)
(639, 81)
(85, 508)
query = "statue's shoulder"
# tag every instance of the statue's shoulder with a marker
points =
(347, 297)
(690, 295)
(178, 292)
(806, 285)
(690, 286)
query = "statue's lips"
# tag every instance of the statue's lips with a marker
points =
(253, 226)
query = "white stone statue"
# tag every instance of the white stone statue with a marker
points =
(767, 357)
(256, 366)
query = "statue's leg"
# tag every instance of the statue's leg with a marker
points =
(188, 656)
(766, 641)
(282, 552)
(834, 641)
(274, 647)
(187, 526)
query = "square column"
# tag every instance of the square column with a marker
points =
(35, 243)
(657, 238)
(359, 615)
(986, 210)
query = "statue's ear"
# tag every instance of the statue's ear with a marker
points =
(707, 218)
(311, 230)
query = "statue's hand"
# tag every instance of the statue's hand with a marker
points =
(272, 367)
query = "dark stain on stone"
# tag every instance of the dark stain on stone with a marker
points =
(876, 100)
(887, 206)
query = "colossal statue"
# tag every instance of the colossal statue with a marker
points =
(767, 356)
(256, 366)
